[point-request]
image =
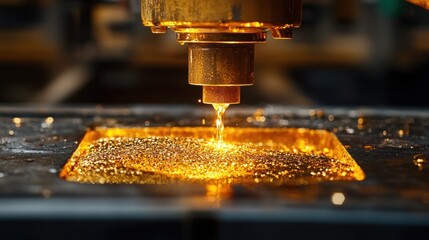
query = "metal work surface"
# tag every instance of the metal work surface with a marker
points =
(390, 146)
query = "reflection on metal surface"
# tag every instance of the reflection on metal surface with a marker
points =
(191, 154)
(368, 147)
(217, 192)
(420, 161)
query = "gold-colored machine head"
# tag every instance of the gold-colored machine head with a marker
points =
(221, 35)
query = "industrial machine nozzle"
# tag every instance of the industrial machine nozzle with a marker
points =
(221, 35)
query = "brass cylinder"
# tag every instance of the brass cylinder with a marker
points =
(220, 64)
(221, 94)
(222, 13)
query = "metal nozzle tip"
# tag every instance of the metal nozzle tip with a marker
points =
(221, 94)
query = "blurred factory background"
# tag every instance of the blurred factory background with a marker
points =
(346, 53)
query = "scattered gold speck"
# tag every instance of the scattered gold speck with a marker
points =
(49, 120)
(361, 122)
(258, 115)
(338, 198)
(17, 121)
(369, 147)
(420, 160)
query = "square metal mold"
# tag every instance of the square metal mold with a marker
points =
(164, 155)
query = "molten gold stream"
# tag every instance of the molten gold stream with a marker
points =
(220, 112)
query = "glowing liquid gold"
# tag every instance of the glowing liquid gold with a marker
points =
(248, 155)
(220, 112)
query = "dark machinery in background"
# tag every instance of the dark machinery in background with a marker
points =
(349, 53)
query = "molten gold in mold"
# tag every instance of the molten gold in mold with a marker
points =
(191, 154)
